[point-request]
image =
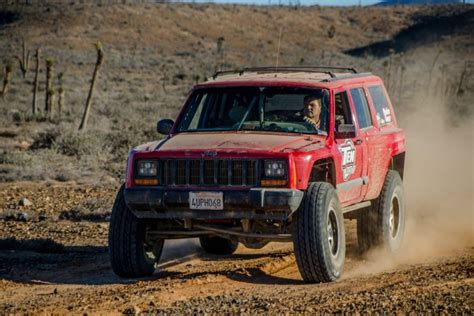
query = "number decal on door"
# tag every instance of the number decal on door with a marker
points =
(348, 158)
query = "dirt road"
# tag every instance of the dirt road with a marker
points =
(50, 262)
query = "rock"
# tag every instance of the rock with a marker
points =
(22, 217)
(135, 310)
(24, 202)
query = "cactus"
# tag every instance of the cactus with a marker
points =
(332, 31)
(431, 71)
(460, 90)
(24, 60)
(49, 77)
(220, 53)
(99, 62)
(388, 81)
(61, 94)
(35, 88)
(51, 94)
(196, 79)
(60, 101)
(7, 79)
(400, 84)
(164, 78)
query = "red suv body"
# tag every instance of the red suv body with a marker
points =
(242, 164)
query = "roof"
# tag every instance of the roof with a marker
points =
(320, 76)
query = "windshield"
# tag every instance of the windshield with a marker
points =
(285, 109)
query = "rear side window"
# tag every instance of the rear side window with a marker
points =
(361, 107)
(382, 110)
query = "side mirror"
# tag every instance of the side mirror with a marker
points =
(345, 131)
(164, 126)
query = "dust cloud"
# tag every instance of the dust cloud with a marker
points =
(438, 180)
(438, 185)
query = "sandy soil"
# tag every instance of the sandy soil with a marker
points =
(76, 276)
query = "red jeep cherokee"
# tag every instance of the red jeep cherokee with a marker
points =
(266, 154)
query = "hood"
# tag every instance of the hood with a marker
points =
(237, 142)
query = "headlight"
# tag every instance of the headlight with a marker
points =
(147, 168)
(275, 169)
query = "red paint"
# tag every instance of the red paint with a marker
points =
(373, 156)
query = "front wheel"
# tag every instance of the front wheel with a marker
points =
(131, 256)
(319, 236)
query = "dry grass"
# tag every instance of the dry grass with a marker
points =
(142, 41)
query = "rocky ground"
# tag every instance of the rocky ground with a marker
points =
(53, 263)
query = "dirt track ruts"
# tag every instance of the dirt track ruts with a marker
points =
(79, 278)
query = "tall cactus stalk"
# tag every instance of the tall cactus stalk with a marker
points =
(49, 77)
(100, 60)
(7, 79)
(60, 95)
(24, 60)
(35, 88)
(435, 60)
(60, 101)
(220, 53)
(400, 83)
(460, 90)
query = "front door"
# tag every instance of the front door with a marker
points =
(349, 154)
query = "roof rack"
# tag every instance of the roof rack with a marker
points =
(315, 69)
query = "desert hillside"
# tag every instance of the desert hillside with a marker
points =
(155, 53)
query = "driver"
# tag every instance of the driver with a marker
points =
(312, 111)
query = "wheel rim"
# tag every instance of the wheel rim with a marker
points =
(333, 232)
(394, 220)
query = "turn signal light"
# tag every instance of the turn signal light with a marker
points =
(273, 183)
(146, 181)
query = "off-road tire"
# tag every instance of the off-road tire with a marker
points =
(218, 245)
(318, 260)
(130, 257)
(375, 226)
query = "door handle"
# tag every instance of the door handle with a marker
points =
(358, 142)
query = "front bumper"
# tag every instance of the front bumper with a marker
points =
(254, 203)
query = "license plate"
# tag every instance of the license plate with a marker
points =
(206, 200)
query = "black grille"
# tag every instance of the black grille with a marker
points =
(210, 172)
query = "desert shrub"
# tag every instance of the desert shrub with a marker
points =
(45, 139)
(82, 213)
(72, 143)
(17, 158)
(120, 141)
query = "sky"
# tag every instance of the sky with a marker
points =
(304, 2)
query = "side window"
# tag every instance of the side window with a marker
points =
(382, 110)
(343, 111)
(361, 108)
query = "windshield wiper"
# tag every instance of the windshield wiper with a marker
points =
(246, 114)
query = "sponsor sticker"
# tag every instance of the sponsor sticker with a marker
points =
(348, 160)
(387, 115)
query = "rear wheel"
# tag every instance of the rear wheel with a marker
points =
(218, 245)
(384, 223)
(131, 256)
(319, 236)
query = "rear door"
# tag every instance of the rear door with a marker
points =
(349, 155)
(365, 129)
(378, 139)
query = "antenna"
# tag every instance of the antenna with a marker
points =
(278, 50)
